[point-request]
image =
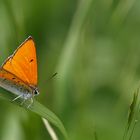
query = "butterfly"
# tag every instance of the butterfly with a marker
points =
(18, 73)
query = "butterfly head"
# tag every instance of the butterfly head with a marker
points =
(35, 92)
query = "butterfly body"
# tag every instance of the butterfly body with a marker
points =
(18, 74)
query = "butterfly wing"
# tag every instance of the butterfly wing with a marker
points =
(23, 63)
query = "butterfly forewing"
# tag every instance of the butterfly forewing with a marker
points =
(15, 85)
(23, 63)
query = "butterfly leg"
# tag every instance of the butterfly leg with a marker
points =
(23, 102)
(32, 101)
(17, 98)
(24, 99)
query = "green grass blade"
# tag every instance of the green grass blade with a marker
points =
(132, 132)
(131, 115)
(47, 114)
(132, 109)
(37, 108)
(95, 135)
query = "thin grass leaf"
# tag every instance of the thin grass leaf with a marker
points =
(131, 114)
(50, 129)
(95, 135)
(132, 108)
(37, 108)
(47, 114)
(132, 132)
(121, 12)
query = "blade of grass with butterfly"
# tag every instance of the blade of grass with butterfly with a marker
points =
(37, 108)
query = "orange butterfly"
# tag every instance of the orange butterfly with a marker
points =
(18, 74)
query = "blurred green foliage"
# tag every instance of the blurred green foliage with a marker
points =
(94, 46)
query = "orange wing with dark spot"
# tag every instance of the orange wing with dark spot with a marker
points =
(23, 63)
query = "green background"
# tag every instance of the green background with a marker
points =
(94, 46)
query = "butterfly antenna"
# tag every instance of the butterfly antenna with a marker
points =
(52, 76)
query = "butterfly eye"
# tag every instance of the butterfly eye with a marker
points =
(36, 92)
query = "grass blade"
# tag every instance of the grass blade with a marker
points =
(37, 108)
(132, 109)
(95, 135)
(50, 130)
(131, 115)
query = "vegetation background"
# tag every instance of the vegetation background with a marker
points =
(94, 46)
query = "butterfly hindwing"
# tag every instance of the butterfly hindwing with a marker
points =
(22, 63)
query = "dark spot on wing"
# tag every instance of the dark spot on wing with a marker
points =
(13, 78)
(31, 60)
